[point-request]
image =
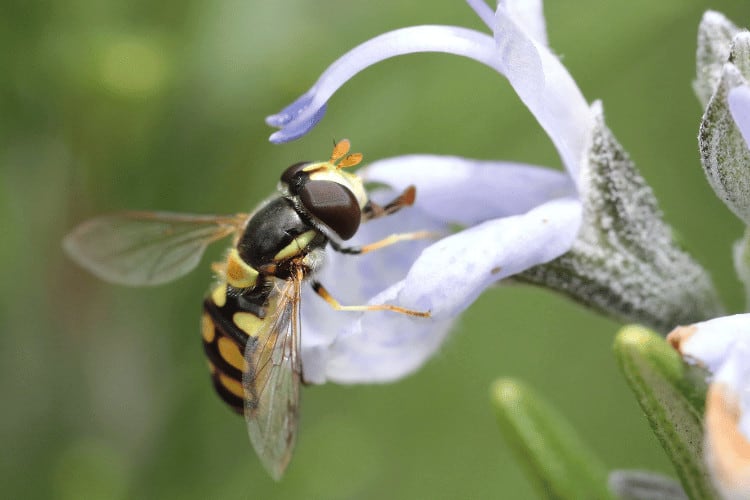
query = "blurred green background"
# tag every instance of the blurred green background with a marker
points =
(108, 105)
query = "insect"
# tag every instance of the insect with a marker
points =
(250, 321)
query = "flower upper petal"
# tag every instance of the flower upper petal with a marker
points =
(299, 117)
(530, 15)
(541, 81)
(546, 88)
(739, 106)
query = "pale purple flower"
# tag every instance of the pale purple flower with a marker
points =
(512, 216)
(722, 346)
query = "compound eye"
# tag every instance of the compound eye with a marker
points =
(332, 204)
(290, 177)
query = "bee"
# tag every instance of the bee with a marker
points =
(250, 322)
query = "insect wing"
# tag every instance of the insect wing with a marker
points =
(272, 382)
(146, 248)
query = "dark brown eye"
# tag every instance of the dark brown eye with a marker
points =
(290, 177)
(333, 205)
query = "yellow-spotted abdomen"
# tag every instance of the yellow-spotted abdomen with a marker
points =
(231, 318)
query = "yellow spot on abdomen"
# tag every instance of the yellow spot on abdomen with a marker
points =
(219, 295)
(238, 273)
(296, 246)
(207, 328)
(232, 385)
(231, 354)
(247, 322)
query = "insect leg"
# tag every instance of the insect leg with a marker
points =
(320, 290)
(373, 210)
(385, 242)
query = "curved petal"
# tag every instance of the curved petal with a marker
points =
(530, 15)
(739, 106)
(540, 80)
(458, 190)
(546, 88)
(299, 117)
(446, 277)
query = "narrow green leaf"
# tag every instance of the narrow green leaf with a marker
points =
(671, 395)
(561, 465)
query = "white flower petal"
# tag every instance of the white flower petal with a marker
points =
(546, 88)
(735, 375)
(739, 106)
(445, 279)
(711, 342)
(464, 191)
(300, 116)
(722, 345)
(727, 423)
(530, 15)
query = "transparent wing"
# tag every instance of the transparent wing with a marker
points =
(272, 381)
(146, 248)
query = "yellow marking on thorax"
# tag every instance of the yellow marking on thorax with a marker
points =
(296, 246)
(238, 273)
(211, 368)
(207, 328)
(247, 322)
(231, 354)
(232, 385)
(219, 295)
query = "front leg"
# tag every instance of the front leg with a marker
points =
(373, 210)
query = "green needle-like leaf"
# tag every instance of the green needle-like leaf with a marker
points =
(561, 464)
(671, 395)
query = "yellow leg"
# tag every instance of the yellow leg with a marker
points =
(385, 242)
(320, 290)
